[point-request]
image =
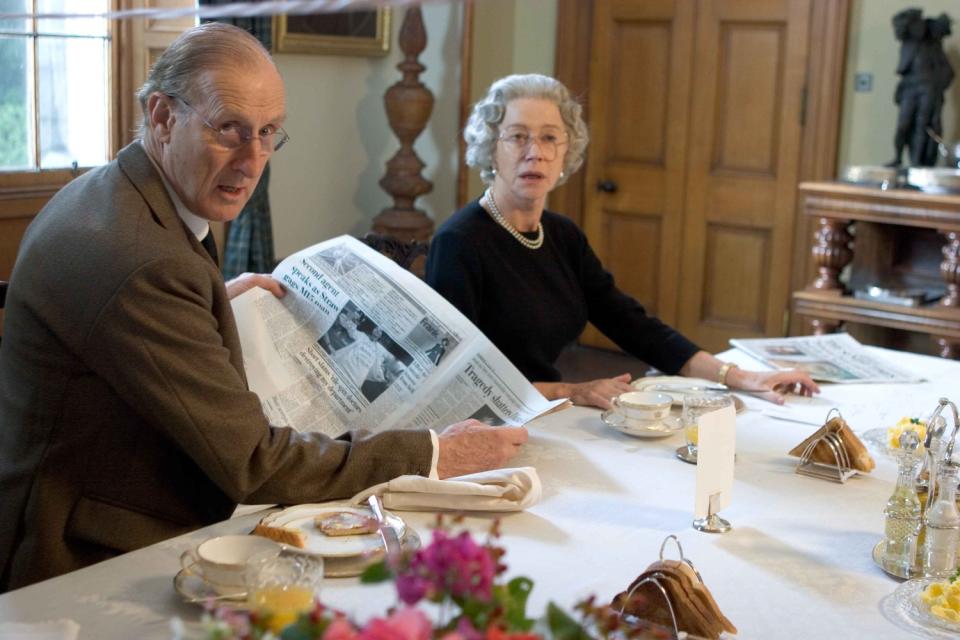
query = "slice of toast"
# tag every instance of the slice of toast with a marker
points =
(283, 535)
(703, 593)
(345, 523)
(856, 451)
(647, 603)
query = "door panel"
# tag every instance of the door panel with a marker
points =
(736, 254)
(743, 168)
(639, 95)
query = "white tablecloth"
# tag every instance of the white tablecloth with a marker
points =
(796, 564)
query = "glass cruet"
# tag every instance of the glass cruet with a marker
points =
(942, 522)
(903, 511)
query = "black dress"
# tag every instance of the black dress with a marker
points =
(532, 303)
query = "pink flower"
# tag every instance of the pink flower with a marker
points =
(455, 566)
(340, 629)
(496, 633)
(404, 624)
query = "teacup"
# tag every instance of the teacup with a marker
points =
(638, 409)
(221, 561)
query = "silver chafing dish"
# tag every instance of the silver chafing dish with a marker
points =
(934, 179)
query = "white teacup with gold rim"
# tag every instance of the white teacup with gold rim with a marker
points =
(221, 561)
(638, 410)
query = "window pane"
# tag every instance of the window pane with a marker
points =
(15, 6)
(73, 102)
(16, 104)
(73, 26)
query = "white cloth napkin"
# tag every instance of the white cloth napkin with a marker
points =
(49, 630)
(497, 490)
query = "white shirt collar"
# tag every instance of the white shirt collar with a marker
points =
(198, 226)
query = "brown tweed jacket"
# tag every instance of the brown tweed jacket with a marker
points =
(125, 416)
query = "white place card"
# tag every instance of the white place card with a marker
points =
(716, 446)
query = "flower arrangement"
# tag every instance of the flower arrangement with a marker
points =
(465, 579)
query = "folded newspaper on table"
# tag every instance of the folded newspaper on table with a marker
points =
(835, 357)
(359, 342)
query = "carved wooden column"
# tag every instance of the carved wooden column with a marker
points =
(821, 327)
(949, 347)
(831, 253)
(950, 269)
(408, 105)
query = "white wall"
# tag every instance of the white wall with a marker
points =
(324, 182)
(869, 119)
(510, 36)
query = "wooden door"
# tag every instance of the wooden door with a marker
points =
(634, 184)
(743, 166)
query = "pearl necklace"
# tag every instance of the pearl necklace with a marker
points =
(494, 210)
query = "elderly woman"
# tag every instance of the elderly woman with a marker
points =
(528, 278)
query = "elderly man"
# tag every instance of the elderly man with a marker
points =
(125, 416)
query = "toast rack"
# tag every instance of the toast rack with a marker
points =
(842, 470)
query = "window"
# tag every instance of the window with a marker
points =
(54, 108)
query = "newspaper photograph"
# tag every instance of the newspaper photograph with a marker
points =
(360, 342)
(835, 357)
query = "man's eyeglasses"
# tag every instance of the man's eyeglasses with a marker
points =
(520, 140)
(233, 136)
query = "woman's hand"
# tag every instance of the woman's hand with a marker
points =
(593, 393)
(773, 385)
(247, 281)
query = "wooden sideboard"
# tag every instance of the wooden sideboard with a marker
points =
(894, 239)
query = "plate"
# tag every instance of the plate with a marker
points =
(877, 438)
(679, 386)
(667, 427)
(301, 517)
(896, 572)
(907, 599)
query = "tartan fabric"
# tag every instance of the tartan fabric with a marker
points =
(250, 237)
(260, 27)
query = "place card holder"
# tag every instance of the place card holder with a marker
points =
(840, 470)
(655, 578)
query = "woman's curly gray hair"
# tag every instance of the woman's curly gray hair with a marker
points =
(483, 127)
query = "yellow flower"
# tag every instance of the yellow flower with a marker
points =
(943, 598)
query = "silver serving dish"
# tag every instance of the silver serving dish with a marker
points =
(874, 176)
(911, 297)
(935, 180)
(892, 570)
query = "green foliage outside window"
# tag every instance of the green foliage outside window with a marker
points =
(13, 104)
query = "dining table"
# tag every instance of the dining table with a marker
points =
(796, 562)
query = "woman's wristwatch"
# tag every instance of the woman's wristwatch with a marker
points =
(724, 370)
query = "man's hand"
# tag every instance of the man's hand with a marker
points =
(471, 446)
(247, 281)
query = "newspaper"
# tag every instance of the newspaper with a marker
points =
(835, 357)
(359, 342)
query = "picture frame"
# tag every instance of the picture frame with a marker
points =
(347, 33)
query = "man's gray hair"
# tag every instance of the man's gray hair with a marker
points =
(483, 127)
(179, 70)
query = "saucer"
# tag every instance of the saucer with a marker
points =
(195, 590)
(661, 429)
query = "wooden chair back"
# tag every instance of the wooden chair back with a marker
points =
(411, 255)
